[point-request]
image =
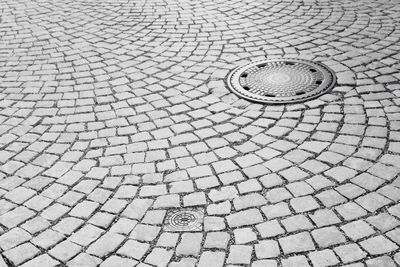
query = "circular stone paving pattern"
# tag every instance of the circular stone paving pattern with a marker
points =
(281, 81)
(108, 127)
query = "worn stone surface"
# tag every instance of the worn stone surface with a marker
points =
(113, 113)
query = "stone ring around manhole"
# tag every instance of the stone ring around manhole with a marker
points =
(185, 220)
(281, 81)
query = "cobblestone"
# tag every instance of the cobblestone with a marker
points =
(267, 249)
(296, 243)
(350, 253)
(189, 245)
(323, 258)
(240, 254)
(112, 114)
(243, 218)
(378, 245)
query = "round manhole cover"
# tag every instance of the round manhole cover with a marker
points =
(185, 220)
(281, 81)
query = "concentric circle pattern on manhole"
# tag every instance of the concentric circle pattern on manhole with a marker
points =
(281, 81)
(184, 220)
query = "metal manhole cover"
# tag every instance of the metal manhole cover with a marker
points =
(186, 220)
(281, 81)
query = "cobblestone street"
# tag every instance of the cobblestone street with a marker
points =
(116, 114)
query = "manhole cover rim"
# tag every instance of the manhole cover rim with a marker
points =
(329, 81)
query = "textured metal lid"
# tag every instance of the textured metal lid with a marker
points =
(184, 220)
(281, 81)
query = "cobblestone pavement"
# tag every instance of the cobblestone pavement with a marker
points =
(116, 112)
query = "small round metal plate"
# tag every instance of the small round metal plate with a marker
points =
(184, 220)
(281, 81)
